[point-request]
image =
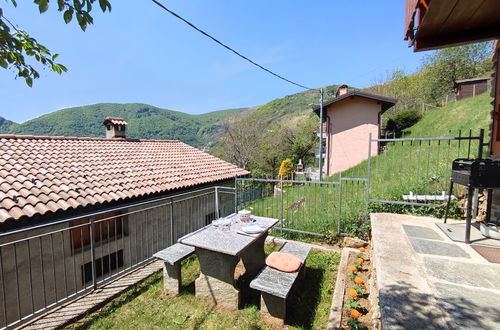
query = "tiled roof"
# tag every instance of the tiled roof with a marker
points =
(115, 121)
(41, 174)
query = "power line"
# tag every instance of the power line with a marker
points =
(229, 48)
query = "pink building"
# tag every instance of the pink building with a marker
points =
(350, 117)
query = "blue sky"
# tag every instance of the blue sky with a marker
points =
(139, 53)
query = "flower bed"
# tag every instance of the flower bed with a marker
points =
(356, 312)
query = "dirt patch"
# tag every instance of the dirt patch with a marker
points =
(363, 300)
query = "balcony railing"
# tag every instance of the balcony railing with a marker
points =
(46, 265)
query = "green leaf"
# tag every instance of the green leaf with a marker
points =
(3, 63)
(77, 5)
(68, 15)
(29, 81)
(81, 21)
(60, 5)
(105, 5)
(65, 69)
(43, 6)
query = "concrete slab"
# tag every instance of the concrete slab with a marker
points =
(421, 232)
(431, 291)
(453, 271)
(456, 232)
(470, 308)
(405, 297)
(437, 248)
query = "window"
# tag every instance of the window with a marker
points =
(103, 266)
(113, 228)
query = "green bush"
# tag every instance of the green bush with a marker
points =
(402, 120)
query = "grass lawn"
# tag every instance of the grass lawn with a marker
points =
(147, 306)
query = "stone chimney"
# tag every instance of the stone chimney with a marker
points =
(341, 90)
(115, 127)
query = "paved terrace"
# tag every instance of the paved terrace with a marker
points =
(427, 281)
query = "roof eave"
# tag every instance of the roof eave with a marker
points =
(386, 102)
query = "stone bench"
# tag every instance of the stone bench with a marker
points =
(172, 257)
(275, 285)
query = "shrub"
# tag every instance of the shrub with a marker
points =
(402, 120)
(286, 171)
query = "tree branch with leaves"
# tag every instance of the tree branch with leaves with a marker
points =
(17, 46)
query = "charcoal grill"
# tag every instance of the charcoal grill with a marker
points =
(474, 174)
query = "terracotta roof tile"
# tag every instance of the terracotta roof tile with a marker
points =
(48, 174)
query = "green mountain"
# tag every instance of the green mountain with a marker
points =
(144, 121)
(5, 125)
(150, 122)
(291, 106)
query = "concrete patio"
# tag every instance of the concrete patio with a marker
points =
(427, 281)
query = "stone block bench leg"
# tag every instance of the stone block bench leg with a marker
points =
(273, 307)
(302, 271)
(172, 278)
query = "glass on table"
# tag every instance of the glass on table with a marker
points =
(226, 224)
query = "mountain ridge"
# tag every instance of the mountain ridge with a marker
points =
(150, 122)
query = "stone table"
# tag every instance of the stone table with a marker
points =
(219, 251)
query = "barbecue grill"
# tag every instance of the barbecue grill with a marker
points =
(474, 174)
(477, 173)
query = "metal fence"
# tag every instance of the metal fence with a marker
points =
(43, 266)
(417, 171)
(403, 171)
(305, 207)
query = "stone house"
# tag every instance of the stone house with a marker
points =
(75, 211)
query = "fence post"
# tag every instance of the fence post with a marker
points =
(368, 172)
(481, 141)
(172, 221)
(339, 215)
(475, 209)
(281, 201)
(236, 195)
(92, 253)
(217, 215)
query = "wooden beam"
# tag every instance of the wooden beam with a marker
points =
(455, 38)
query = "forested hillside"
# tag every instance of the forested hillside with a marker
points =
(145, 121)
(5, 125)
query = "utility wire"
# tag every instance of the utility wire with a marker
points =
(229, 48)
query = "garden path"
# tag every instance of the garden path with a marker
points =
(427, 281)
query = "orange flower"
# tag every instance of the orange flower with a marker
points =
(360, 261)
(352, 293)
(352, 268)
(355, 314)
(358, 280)
(362, 249)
